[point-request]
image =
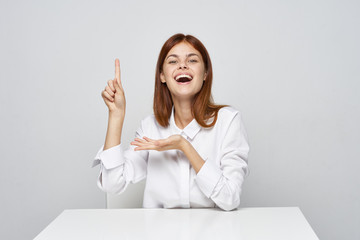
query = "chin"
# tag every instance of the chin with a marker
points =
(184, 95)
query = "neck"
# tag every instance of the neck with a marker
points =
(183, 115)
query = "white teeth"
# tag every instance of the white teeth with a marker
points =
(182, 76)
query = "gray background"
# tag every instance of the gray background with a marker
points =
(291, 68)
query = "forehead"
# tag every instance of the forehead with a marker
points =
(183, 49)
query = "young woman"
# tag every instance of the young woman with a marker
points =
(192, 152)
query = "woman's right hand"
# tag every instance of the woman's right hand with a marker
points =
(113, 95)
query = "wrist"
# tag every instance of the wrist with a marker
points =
(117, 114)
(184, 144)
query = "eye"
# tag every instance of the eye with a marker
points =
(193, 60)
(172, 61)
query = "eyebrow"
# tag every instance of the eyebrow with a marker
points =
(188, 55)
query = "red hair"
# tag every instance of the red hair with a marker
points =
(203, 107)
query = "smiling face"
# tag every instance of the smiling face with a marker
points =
(183, 71)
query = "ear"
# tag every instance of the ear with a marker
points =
(205, 75)
(162, 77)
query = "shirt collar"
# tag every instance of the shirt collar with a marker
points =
(190, 130)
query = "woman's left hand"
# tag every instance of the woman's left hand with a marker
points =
(172, 142)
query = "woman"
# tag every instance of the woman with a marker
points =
(192, 152)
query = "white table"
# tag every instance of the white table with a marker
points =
(243, 224)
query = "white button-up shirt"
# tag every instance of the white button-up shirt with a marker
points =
(171, 181)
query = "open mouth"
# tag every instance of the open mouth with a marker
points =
(183, 78)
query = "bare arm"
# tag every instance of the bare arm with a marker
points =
(114, 99)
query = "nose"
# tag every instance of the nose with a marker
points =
(183, 65)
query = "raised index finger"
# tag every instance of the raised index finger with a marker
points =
(117, 71)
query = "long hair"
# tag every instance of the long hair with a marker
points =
(203, 107)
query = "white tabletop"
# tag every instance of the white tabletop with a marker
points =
(243, 224)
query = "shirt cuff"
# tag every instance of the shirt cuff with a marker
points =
(110, 158)
(208, 177)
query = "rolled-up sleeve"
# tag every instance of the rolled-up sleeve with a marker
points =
(119, 167)
(221, 178)
(110, 158)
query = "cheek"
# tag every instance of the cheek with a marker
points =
(167, 73)
(202, 73)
